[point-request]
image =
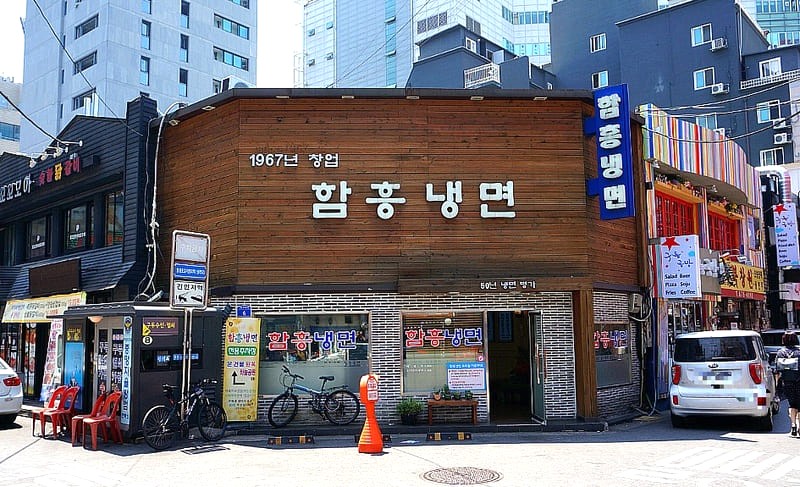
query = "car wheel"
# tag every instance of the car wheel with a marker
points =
(7, 419)
(765, 423)
(677, 421)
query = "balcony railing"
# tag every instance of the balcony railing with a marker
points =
(480, 75)
(766, 80)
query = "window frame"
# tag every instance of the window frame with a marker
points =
(769, 108)
(185, 12)
(599, 79)
(87, 26)
(13, 130)
(144, 70)
(597, 42)
(115, 218)
(703, 121)
(84, 63)
(775, 159)
(184, 51)
(144, 34)
(705, 72)
(765, 67)
(88, 226)
(44, 244)
(701, 39)
(183, 82)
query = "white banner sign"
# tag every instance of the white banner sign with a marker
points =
(680, 272)
(786, 234)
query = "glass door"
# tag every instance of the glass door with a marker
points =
(538, 365)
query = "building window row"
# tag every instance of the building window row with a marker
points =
(531, 49)
(85, 62)
(432, 22)
(9, 131)
(86, 26)
(231, 26)
(241, 3)
(526, 18)
(777, 6)
(231, 59)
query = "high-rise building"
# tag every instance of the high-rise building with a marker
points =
(9, 116)
(89, 57)
(352, 43)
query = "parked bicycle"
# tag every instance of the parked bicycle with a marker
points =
(162, 423)
(337, 404)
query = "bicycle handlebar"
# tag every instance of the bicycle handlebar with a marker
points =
(201, 382)
(289, 373)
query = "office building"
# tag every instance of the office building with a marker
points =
(9, 117)
(89, 57)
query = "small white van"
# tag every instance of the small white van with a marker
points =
(722, 373)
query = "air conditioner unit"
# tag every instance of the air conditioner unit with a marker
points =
(719, 43)
(782, 138)
(232, 82)
(722, 131)
(780, 123)
(719, 88)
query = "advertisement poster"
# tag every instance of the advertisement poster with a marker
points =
(786, 234)
(52, 374)
(240, 371)
(466, 376)
(679, 269)
(127, 349)
(74, 368)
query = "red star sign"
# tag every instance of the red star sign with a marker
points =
(670, 242)
(779, 208)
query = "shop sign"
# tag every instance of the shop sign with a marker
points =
(612, 127)
(24, 185)
(786, 234)
(127, 359)
(790, 291)
(508, 284)
(36, 310)
(710, 271)
(419, 337)
(744, 281)
(679, 267)
(240, 371)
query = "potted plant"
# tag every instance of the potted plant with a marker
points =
(437, 394)
(446, 392)
(408, 409)
(456, 395)
(468, 394)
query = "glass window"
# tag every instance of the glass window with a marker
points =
(114, 218)
(768, 111)
(78, 227)
(701, 34)
(147, 6)
(86, 27)
(707, 121)
(703, 78)
(435, 342)
(85, 62)
(771, 157)
(145, 37)
(612, 353)
(86, 101)
(231, 26)
(144, 71)
(242, 3)
(723, 232)
(597, 42)
(37, 238)
(230, 58)
(313, 345)
(184, 48)
(9, 131)
(600, 79)
(216, 86)
(770, 67)
(674, 216)
(183, 82)
(185, 15)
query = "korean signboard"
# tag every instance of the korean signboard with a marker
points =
(240, 381)
(37, 310)
(612, 127)
(743, 281)
(786, 234)
(679, 267)
(189, 273)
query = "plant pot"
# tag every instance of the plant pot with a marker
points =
(408, 419)
(436, 396)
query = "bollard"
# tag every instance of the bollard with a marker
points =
(371, 440)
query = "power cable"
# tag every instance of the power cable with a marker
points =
(29, 118)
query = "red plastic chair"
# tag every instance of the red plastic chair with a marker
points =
(60, 416)
(58, 393)
(106, 421)
(76, 427)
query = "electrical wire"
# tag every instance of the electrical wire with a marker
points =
(63, 48)
(25, 115)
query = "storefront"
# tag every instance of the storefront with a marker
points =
(435, 238)
(743, 297)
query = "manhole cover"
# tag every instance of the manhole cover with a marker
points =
(462, 475)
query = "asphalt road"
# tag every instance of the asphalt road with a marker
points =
(643, 452)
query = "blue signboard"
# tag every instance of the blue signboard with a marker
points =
(244, 311)
(611, 125)
(192, 272)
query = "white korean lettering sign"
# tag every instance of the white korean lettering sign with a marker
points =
(679, 269)
(786, 234)
(189, 270)
(612, 128)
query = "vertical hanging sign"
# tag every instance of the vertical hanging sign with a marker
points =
(679, 269)
(611, 125)
(127, 358)
(786, 234)
(240, 368)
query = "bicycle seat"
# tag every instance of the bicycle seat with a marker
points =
(326, 377)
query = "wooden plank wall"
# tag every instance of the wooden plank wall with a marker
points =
(260, 218)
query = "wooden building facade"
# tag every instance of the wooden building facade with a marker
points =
(428, 234)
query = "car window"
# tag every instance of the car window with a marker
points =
(734, 348)
(772, 339)
(3, 364)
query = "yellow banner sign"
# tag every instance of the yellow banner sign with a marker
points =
(743, 281)
(240, 381)
(36, 310)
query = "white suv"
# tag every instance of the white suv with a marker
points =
(10, 394)
(723, 373)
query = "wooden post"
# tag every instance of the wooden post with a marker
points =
(585, 371)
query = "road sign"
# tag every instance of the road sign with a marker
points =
(244, 311)
(188, 294)
(193, 272)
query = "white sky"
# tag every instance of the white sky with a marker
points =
(279, 38)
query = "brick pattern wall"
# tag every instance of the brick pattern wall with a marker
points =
(617, 400)
(386, 340)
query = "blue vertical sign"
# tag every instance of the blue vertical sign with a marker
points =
(611, 125)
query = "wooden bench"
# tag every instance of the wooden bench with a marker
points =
(454, 403)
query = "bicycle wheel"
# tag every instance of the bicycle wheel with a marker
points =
(211, 421)
(160, 427)
(282, 410)
(342, 407)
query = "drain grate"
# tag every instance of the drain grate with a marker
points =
(462, 476)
